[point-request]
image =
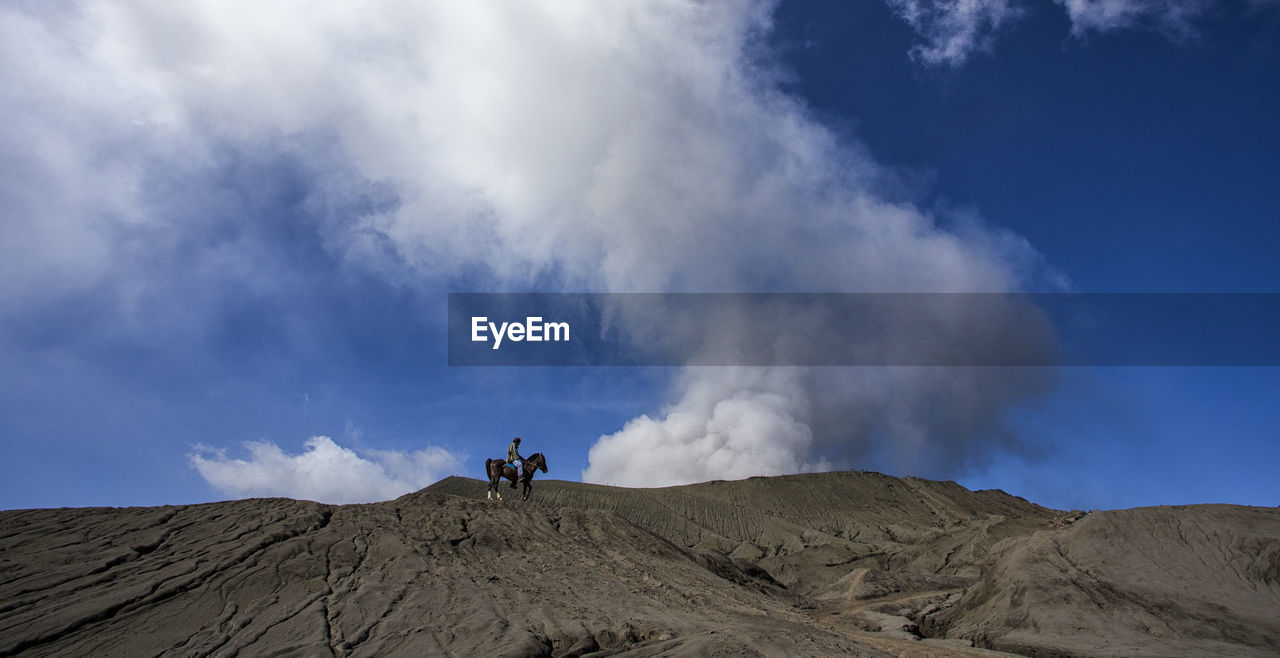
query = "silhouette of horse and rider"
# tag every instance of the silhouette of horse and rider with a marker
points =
(497, 469)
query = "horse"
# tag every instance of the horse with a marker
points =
(497, 469)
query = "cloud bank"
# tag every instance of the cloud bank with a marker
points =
(324, 471)
(628, 146)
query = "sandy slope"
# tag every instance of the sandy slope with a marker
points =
(1160, 581)
(828, 564)
(810, 530)
(429, 573)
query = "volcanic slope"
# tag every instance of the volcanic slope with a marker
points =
(808, 531)
(426, 574)
(1202, 580)
(869, 552)
(822, 564)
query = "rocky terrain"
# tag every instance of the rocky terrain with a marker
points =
(824, 564)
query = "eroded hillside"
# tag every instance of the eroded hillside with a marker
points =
(823, 564)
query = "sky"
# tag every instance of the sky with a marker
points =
(228, 232)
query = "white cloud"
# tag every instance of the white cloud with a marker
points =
(613, 146)
(1174, 17)
(324, 471)
(954, 29)
(729, 423)
(619, 145)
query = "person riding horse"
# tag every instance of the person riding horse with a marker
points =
(497, 469)
(513, 456)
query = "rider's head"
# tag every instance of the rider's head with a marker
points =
(517, 440)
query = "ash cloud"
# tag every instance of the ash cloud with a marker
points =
(631, 146)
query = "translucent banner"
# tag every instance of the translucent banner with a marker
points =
(850, 329)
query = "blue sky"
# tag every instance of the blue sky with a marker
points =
(227, 230)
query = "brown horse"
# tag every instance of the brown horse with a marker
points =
(497, 469)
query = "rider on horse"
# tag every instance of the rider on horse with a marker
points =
(497, 469)
(513, 455)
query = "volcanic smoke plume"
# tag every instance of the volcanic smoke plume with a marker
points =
(630, 146)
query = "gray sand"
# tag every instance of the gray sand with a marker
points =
(823, 564)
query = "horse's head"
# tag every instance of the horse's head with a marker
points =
(539, 461)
